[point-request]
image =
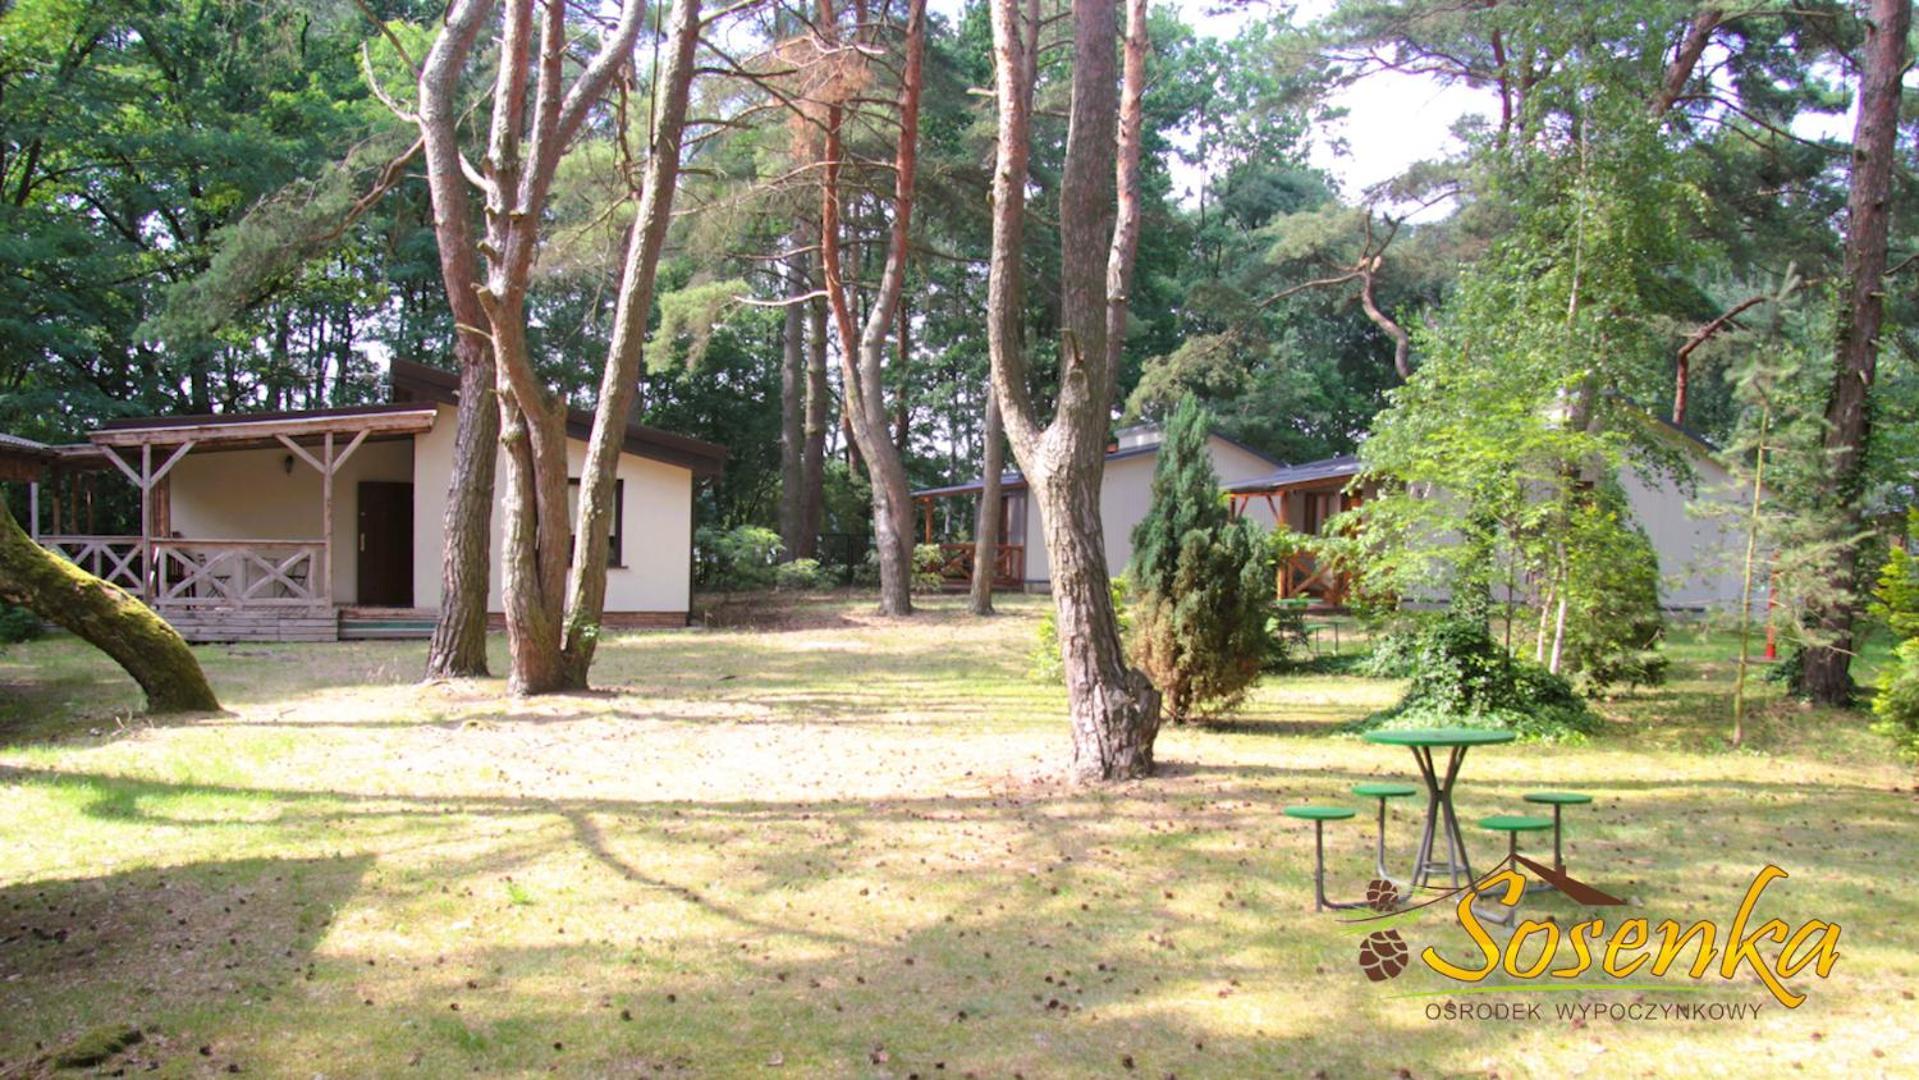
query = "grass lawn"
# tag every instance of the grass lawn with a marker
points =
(837, 845)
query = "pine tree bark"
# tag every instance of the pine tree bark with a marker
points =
(986, 533)
(862, 355)
(818, 397)
(104, 616)
(1115, 711)
(536, 113)
(792, 412)
(458, 648)
(1827, 673)
(619, 381)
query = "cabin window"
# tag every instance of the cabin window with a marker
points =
(615, 536)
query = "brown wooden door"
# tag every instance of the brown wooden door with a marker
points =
(385, 543)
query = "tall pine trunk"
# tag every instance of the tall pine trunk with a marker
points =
(813, 455)
(862, 354)
(458, 648)
(986, 534)
(792, 412)
(1827, 674)
(1114, 708)
(619, 381)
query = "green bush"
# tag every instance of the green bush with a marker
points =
(1896, 601)
(1394, 649)
(1614, 625)
(17, 624)
(744, 557)
(801, 575)
(1202, 581)
(926, 569)
(1897, 704)
(1461, 677)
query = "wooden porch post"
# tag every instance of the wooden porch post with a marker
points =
(33, 509)
(326, 519)
(926, 519)
(146, 508)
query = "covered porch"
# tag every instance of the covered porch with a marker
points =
(254, 553)
(1303, 498)
(946, 511)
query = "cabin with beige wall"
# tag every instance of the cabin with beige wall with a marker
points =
(330, 522)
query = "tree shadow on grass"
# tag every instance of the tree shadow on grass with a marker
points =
(84, 962)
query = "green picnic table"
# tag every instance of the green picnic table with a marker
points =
(1439, 795)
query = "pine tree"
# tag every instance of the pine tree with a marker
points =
(1204, 593)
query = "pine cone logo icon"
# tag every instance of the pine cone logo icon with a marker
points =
(1381, 895)
(1383, 955)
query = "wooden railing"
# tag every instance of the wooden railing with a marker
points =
(1303, 574)
(1009, 565)
(239, 573)
(111, 558)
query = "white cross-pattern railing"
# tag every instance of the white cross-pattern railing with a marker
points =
(238, 573)
(110, 558)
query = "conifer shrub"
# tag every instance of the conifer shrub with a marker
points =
(1202, 585)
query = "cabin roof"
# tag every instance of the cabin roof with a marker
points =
(1013, 480)
(1312, 472)
(418, 382)
(417, 391)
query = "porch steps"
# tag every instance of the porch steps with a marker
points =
(210, 625)
(359, 623)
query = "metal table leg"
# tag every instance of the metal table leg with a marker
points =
(1440, 815)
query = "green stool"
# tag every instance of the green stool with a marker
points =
(1512, 825)
(1558, 800)
(1382, 792)
(1319, 816)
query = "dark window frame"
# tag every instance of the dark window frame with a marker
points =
(615, 536)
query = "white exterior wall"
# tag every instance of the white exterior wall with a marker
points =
(1126, 491)
(1700, 555)
(657, 524)
(250, 495)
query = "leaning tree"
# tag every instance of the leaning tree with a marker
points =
(104, 616)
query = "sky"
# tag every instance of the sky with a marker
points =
(1392, 120)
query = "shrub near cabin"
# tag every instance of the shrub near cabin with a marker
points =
(1624, 951)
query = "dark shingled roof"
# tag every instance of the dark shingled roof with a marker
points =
(1332, 468)
(417, 382)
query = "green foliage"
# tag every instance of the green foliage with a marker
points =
(17, 624)
(1395, 642)
(801, 575)
(1897, 703)
(688, 316)
(1614, 625)
(1203, 583)
(744, 557)
(1461, 677)
(1896, 601)
(926, 569)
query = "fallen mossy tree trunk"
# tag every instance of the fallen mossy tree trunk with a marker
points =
(106, 617)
